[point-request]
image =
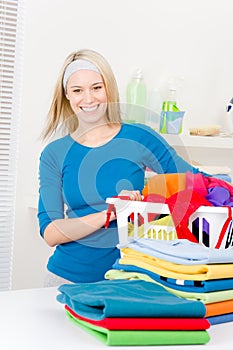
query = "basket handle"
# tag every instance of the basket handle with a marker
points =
(224, 228)
(111, 208)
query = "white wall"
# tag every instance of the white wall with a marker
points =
(166, 38)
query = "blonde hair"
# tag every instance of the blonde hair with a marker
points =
(61, 113)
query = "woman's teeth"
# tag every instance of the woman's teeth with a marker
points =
(89, 109)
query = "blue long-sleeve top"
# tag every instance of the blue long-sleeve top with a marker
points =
(75, 181)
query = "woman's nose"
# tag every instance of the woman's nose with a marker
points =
(88, 96)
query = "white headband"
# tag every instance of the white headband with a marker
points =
(76, 65)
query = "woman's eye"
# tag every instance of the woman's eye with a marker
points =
(98, 87)
(77, 90)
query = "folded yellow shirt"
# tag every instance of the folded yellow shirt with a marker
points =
(177, 271)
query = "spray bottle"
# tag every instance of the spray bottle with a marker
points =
(170, 105)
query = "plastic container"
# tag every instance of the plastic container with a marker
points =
(136, 98)
(171, 122)
(216, 218)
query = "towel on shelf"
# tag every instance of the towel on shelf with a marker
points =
(206, 130)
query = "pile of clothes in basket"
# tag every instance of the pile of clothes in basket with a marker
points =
(184, 193)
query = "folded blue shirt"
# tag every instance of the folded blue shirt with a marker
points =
(123, 298)
(182, 285)
(220, 319)
(181, 251)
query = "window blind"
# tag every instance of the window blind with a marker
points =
(11, 45)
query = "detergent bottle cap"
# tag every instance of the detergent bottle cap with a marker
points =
(137, 73)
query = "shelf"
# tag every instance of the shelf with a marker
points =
(222, 142)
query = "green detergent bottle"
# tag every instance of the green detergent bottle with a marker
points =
(136, 97)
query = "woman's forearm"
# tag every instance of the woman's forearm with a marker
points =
(67, 230)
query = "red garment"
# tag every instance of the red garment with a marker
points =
(143, 323)
(196, 182)
(181, 205)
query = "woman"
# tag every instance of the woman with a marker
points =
(99, 157)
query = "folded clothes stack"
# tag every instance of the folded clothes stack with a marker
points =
(186, 269)
(125, 312)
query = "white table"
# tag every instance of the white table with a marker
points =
(32, 319)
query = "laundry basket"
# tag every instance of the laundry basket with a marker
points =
(212, 225)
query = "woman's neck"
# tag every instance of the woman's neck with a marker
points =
(97, 135)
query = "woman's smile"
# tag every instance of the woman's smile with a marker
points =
(90, 109)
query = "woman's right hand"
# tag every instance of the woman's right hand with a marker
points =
(134, 195)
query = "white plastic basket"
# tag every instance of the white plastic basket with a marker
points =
(214, 217)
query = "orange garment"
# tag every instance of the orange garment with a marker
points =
(165, 184)
(219, 308)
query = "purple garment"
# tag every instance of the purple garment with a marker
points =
(219, 196)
